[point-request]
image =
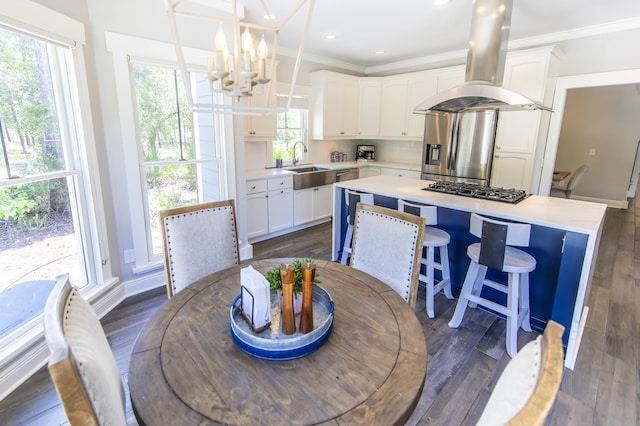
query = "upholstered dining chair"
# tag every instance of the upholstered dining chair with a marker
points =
(529, 384)
(388, 245)
(571, 184)
(81, 364)
(198, 240)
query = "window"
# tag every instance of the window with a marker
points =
(291, 127)
(180, 153)
(47, 226)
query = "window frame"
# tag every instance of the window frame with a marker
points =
(125, 51)
(35, 20)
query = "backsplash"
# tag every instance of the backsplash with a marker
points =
(407, 152)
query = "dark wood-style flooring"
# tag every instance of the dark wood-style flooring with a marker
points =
(464, 363)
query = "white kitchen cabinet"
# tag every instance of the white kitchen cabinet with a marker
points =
(512, 170)
(449, 77)
(257, 208)
(369, 171)
(280, 209)
(261, 127)
(400, 95)
(520, 135)
(312, 204)
(269, 206)
(389, 171)
(334, 105)
(369, 92)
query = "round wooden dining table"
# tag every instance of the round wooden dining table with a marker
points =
(185, 367)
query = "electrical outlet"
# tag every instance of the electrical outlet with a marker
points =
(129, 256)
(592, 151)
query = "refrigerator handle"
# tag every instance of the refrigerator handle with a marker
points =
(453, 145)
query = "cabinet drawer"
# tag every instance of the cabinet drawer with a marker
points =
(279, 183)
(254, 186)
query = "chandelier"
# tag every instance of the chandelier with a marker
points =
(242, 70)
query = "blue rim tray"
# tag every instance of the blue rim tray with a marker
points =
(271, 344)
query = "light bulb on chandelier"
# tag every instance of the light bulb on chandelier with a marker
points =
(249, 70)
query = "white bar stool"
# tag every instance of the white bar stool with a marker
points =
(352, 198)
(494, 251)
(433, 238)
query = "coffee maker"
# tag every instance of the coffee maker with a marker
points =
(366, 152)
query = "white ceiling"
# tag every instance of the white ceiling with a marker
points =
(411, 31)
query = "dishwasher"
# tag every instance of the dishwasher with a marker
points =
(347, 174)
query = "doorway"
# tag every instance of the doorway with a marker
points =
(564, 86)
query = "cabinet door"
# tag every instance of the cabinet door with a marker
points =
(450, 77)
(392, 109)
(303, 206)
(369, 171)
(418, 89)
(280, 209)
(261, 126)
(257, 214)
(323, 202)
(511, 170)
(349, 108)
(369, 109)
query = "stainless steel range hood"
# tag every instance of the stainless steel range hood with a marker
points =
(482, 89)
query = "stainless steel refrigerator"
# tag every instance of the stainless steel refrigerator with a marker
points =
(459, 146)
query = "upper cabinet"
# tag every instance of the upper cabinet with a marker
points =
(520, 135)
(262, 126)
(334, 100)
(400, 95)
(449, 77)
(370, 91)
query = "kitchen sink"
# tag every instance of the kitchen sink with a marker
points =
(312, 176)
(306, 169)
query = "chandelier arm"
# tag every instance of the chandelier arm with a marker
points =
(293, 12)
(179, 54)
(296, 68)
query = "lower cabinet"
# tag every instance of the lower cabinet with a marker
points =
(280, 209)
(269, 206)
(312, 204)
(369, 171)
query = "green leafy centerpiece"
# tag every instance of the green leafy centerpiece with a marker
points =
(275, 281)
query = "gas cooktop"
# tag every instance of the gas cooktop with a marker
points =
(504, 195)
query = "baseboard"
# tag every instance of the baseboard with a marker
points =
(616, 204)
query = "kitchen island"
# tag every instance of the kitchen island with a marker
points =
(565, 235)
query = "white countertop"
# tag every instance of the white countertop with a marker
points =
(571, 215)
(273, 172)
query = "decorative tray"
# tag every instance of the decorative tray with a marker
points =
(271, 343)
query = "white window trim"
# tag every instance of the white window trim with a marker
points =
(26, 352)
(124, 47)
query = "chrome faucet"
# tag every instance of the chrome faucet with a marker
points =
(295, 160)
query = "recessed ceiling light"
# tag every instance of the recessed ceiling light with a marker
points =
(379, 52)
(270, 17)
(330, 37)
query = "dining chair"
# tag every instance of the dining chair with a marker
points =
(496, 251)
(529, 384)
(574, 178)
(198, 240)
(388, 245)
(81, 364)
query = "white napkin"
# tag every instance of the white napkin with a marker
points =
(256, 300)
